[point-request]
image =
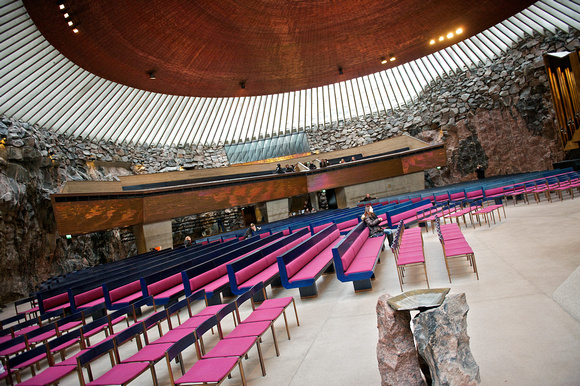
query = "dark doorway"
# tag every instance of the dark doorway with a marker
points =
(331, 198)
(249, 213)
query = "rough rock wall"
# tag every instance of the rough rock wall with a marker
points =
(498, 114)
(36, 162)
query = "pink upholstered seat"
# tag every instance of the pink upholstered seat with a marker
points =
(51, 375)
(210, 370)
(149, 353)
(121, 374)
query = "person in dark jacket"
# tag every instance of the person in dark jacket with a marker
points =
(187, 242)
(372, 221)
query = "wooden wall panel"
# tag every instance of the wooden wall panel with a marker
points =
(422, 161)
(158, 208)
(357, 173)
(79, 217)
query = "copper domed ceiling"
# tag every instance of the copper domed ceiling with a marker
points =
(209, 48)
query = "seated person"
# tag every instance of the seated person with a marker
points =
(341, 161)
(187, 242)
(279, 169)
(289, 168)
(368, 198)
(307, 207)
(250, 231)
(372, 222)
(312, 166)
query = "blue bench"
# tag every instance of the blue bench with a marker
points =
(306, 262)
(356, 256)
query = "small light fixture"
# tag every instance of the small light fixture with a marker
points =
(392, 57)
(441, 38)
(340, 71)
(75, 30)
(61, 6)
(432, 41)
(68, 237)
(66, 15)
(459, 30)
(243, 84)
(449, 35)
(152, 74)
(70, 23)
(383, 60)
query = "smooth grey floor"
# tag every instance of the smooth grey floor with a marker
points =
(519, 334)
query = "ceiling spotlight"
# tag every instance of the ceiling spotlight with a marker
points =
(459, 30)
(340, 71)
(61, 6)
(449, 35)
(152, 74)
(432, 41)
(383, 60)
(66, 15)
(75, 30)
(441, 38)
(70, 23)
(392, 57)
(243, 84)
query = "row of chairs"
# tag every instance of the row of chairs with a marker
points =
(407, 247)
(123, 371)
(454, 245)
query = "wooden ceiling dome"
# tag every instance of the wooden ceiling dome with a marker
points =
(228, 48)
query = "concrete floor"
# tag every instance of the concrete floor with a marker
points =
(519, 334)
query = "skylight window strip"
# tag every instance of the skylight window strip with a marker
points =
(447, 67)
(376, 91)
(529, 21)
(153, 117)
(396, 95)
(573, 5)
(429, 73)
(100, 100)
(415, 83)
(190, 113)
(260, 111)
(253, 116)
(218, 127)
(128, 105)
(346, 94)
(157, 123)
(343, 104)
(457, 56)
(111, 116)
(476, 50)
(512, 35)
(439, 71)
(15, 55)
(401, 86)
(289, 116)
(492, 47)
(73, 107)
(367, 94)
(563, 13)
(500, 36)
(179, 118)
(282, 113)
(542, 15)
(497, 42)
(22, 86)
(241, 127)
(484, 48)
(414, 68)
(40, 90)
(208, 120)
(137, 127)
(355, 95)
(516, 24)
(229, 121)
(62, 87)
(193, 120)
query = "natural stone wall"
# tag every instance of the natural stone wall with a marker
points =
(499, 115)
(36, 162)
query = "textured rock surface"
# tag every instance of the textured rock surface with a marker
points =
(442, 341)
(396, 353)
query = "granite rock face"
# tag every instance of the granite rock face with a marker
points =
(442, 341)
(396, 353)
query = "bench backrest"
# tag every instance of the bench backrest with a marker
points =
(345, 251)
(296, 258)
